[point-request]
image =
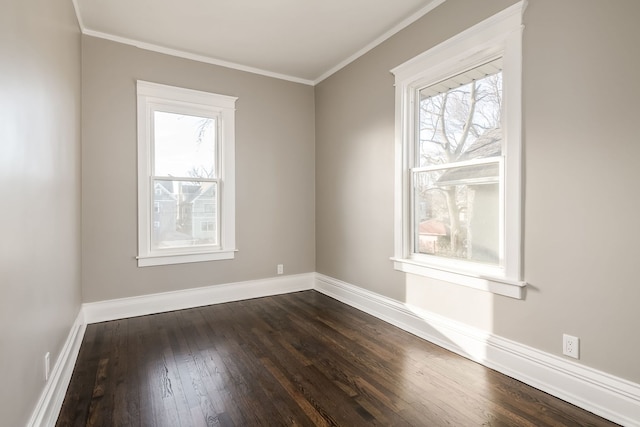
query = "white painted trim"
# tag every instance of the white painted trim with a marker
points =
(184, 258)
(76, 8)
(498, 36)
(102, 311)
(606, 395)
(153, 97)
(235, 66)
(48, 407)
(472, 41)
(194, 57)
(494, 284)
(387, 35)
(611, 397)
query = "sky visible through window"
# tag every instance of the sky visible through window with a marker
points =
(184, 146)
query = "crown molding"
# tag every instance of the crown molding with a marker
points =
(378, 41)
(193, 56)
(240, 67)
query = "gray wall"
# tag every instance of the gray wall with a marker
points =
(275, 201)
(581, 154)
(40, 194)
(581, 109)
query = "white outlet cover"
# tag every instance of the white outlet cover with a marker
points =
(571, 346)
(47, 366)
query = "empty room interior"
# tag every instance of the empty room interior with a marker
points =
(384, 213)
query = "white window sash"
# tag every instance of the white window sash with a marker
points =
(156, 97)
(498, 36)
(188, 249)
(459, 264)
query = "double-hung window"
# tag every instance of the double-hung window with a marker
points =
(458, 155)
(186, 187)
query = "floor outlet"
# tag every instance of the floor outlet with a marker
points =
(47, 366)
(280, 268)
(571, 346)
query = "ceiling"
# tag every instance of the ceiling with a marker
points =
(297, 40)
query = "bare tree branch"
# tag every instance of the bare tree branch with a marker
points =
(469, 121)
(443, 127)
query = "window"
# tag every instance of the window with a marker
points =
(458, 155)
(207, 226)
(186, 200)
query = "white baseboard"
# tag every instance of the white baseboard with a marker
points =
(102, 311)
(610, 397)
(50, 402)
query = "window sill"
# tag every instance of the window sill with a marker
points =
(496, 285)
(167, 259)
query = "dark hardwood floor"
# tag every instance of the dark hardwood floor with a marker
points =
(297, 359)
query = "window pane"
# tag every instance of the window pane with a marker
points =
(184, 146)
(456, 213)
(186, 214)
(460, 118)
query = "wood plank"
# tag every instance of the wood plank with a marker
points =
(296, 359)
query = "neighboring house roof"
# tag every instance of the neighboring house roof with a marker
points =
(433, 227)
(205, 191)
(190, 192)
(164, 187)
(487, 145)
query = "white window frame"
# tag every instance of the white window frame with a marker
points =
(156, 97)
(497, 36)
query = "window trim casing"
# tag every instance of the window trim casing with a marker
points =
(498, 36)
(150, 95)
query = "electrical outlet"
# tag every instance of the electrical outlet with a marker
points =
(280, 268)
(47, 366)
(571, 346)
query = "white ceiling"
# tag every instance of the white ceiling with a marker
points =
(298, 40)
